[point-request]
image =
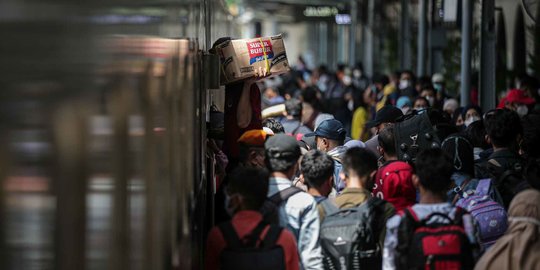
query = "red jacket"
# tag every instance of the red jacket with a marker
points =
(393, 183)
(244, 222)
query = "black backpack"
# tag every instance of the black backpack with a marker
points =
(240, 255)
(269, 210)
(350, 237)
(413, 134)
(437, 245)
(509, 181)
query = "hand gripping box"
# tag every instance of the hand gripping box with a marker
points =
(241, 57)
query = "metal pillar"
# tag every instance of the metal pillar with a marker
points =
(352, 36)
(323, 43)
(466, 46)
(405, 37)
(422, 29)
(341, 43)
(487, 55)
(368, 56)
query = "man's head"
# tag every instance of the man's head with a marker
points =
(246, 190)
(328, 135)
(429, 93)
(386, 115)
(318, 170)
(433, 171)
(438, 82)
(476, 133)
(503, 128)
(293, 108)
(420, 103)
(359, 168)
(282, 153)
(387, 145)
(251, 145)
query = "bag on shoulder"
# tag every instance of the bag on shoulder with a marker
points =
(269, 210)
(508, 182)
(489, 216)
(433, 245)
(240, 255)
(413, 134)
(350, 237)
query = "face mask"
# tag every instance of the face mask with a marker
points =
(438, 87)
(357, 73)
(470, 120)
(347, 80)
(522, 110)
(404, 84)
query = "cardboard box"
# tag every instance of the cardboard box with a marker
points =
(241, 57)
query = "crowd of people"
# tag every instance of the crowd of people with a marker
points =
(316, 170)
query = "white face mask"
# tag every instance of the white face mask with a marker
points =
(470, 120)
(347, 80)
(522, 110)
(404, 84)
(357, 73)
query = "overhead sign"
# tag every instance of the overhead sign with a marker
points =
(320, 11)
(343, 19)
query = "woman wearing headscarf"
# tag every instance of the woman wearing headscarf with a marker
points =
(519, 247)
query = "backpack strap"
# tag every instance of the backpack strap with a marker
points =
(230, 235)
(329, 206)
(271, 237)
(255, 234)
(296, 128)
(275, 200)
(409, 213)
(459, 191)
(483, 187)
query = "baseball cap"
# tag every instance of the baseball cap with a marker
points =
(437, 78)
(518, 96)
(282, 146)
(254, 137)
(387, 114)
(331, 129)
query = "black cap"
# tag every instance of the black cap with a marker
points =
(331, 129)
(281, 146)
(387, 114)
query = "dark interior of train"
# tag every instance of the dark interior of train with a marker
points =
(103, 109)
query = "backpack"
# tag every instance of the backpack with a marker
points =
(508, 181)
(269, 210)
(489, 216)
(436, 245)
(239, 255)
(413, 134)
(350, 237)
